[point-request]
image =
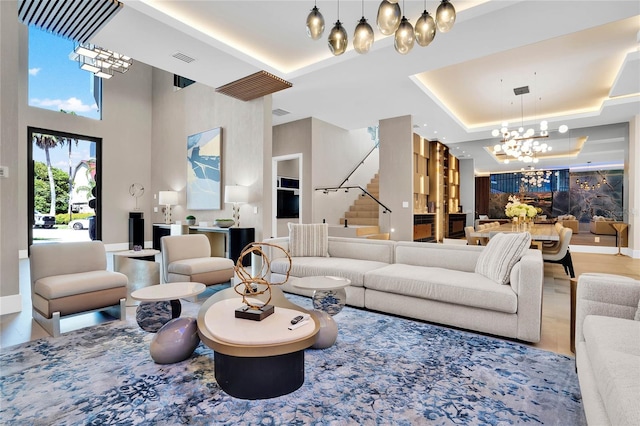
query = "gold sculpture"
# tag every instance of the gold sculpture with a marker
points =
(255, 286)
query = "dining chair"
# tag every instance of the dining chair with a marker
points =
(472, 241)
(560, 253)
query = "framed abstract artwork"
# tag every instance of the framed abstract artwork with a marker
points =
(204, 170)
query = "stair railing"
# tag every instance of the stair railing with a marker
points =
(359, 164)
(364, 191)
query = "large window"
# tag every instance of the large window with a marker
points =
(56, 82)
(64, 191)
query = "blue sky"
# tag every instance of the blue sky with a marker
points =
(55, 81)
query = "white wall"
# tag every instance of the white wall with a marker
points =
(396, 174)
(631, 167)
(336, 152)
(180, 113)
(12, 235)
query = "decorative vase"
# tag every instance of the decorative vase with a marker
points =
(225, 223)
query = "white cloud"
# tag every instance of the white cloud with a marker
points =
(34, 71)
(70, 105)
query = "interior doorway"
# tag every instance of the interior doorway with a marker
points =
(287, 195)
(64, 193)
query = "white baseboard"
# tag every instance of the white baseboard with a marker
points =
(635, 254)
(10, 304)
(23, 254)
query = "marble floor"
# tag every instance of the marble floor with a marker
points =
(19, 327)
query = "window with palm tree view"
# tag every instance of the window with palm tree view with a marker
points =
(64, 187)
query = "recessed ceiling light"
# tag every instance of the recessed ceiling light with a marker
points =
(435, 131)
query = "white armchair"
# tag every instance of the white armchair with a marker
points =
(188, 258)
(72, 278)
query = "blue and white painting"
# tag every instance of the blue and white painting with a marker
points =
(204, 170)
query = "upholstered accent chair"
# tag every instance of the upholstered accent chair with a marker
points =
(72, 278)
(188, 258)
(559, 253)
(472, 241)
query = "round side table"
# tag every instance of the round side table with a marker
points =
(140, 267)
(619, 227)
(176, 338)
(329, 297)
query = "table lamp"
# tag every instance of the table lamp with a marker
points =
(168, 199)
(236, 194)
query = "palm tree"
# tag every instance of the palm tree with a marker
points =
(46, 142)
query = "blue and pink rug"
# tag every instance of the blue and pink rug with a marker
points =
(382, 370)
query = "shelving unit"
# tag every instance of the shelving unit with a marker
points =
(420, 174)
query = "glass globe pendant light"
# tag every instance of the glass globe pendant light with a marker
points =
(388, 18)
(405, 37)
(363, 35)
(445, 16)
(315, 23)
(425, 28)
(338, 39)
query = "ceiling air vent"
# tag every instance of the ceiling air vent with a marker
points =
(182, 57)
(521, 90)
(280, 112)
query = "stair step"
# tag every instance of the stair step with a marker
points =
(364, 208)
(362, 213)
(360, 221)
(365, 201)
(373, 187)
(383, 236)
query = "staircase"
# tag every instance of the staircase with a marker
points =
(363, 213)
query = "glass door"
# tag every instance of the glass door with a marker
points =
(64, 191)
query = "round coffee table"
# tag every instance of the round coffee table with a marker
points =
(255, 359)
(329, 293)
(176, 338)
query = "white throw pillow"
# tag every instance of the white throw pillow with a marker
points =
(502, 252)
(309, 240)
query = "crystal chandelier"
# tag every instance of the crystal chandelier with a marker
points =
(101, 62)
(520, 144)
(535, 178)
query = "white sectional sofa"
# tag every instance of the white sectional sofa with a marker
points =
(432, 282)
(608, 348)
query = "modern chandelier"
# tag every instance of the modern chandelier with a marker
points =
(535, 178)
(389, 20)
(586, 186)
(520, 144)
(101, 62)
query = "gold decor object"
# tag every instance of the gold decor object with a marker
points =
(250, 286)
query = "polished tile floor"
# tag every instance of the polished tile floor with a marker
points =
(20, 327)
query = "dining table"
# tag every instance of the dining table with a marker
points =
(539, 232)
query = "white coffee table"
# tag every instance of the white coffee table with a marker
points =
(329, 293)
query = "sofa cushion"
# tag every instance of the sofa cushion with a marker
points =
(502, 252)
(613, 347)
(199, 265)
(351, 269)
(308, 239)
(444, 285)
(69, 284)
(637, 317)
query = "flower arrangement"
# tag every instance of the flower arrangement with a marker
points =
(515, 208)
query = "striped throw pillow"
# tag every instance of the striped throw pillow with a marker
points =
(309, 240)
(502, 252)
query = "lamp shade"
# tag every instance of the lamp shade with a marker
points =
(168, 198)
(236, 194)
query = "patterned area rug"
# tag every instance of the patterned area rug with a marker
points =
(382, 370)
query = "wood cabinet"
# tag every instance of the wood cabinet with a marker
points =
(436, 190)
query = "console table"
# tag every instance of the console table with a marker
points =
(225, 242)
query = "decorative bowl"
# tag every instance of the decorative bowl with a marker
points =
(225, 223)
